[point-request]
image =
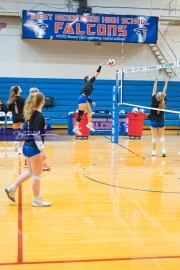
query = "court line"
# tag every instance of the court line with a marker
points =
(20, 232)
(97, 260)
(125, 148)
(20, 228)
(151, 219)
(136, 189)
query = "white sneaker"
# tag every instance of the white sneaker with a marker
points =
(10, 191)
(16, 146)
(89, 125)
(39, 202)
(77, 131)
(153, 152)
(164, 153)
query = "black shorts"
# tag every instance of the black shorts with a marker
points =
(18, 120)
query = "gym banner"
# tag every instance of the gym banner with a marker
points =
(102, 124)
(89, 27)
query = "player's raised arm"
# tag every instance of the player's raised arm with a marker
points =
(98, 70)
(165, 86)
(155, 86)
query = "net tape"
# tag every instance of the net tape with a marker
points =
(154, 67)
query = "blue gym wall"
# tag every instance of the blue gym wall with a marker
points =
(66, 93)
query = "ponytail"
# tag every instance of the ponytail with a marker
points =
(161, 97)
(13, 93)
(33, 90)
(162, 104)
(32, 102)
(86, 78)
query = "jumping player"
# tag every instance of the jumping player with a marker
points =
(83, 104)
(16, 105)
(157, 117)
(33, 150)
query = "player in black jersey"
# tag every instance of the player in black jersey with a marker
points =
(83, 104)
(157, 117)
(16, 105)
(33, 149)
(46, 167)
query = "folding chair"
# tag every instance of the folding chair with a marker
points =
(3, 130)
(48, 125)
(9, 121)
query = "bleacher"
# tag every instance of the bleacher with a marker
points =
(66, 93)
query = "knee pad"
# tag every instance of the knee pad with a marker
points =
(80, 114)
(154, 140)
(162, 139)
(29, 173)
(37, 177)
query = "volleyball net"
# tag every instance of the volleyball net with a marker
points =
(134, 88)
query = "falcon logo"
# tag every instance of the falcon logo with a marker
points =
(141, 32)
(2, 25)
(39, 29)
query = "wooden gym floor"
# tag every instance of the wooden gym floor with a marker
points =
(113, 207)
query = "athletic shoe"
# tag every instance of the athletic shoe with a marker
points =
(39, 202)
(164, 154)
(47, 167)
(10, 191)
(89, 125)
(16, 146)
(25, 164)
(77, 131)
(153, 152)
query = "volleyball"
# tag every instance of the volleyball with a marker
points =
(141, 111)
(135, 110)
(122, 112)
(111, 62)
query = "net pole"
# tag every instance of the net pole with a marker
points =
(115, 116)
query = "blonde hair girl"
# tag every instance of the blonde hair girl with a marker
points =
(157, 117)
(33, 150)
